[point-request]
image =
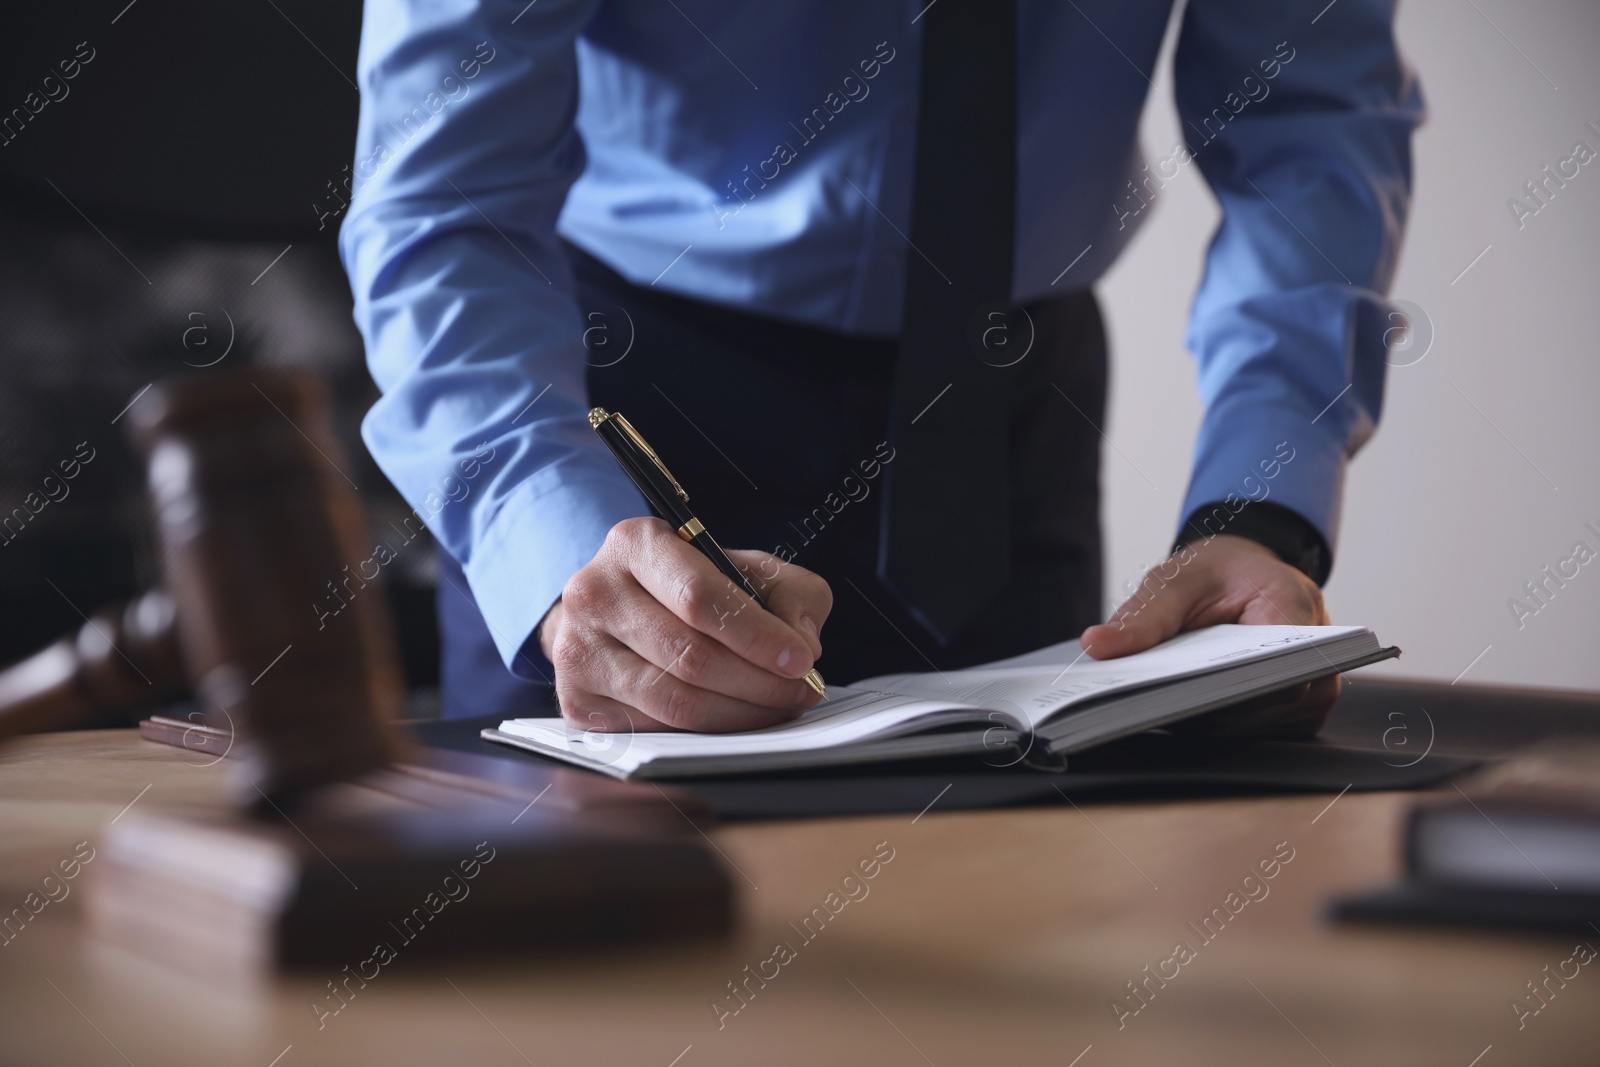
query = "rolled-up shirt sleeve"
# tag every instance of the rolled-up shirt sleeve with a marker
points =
(465, 152)
(1303, 132)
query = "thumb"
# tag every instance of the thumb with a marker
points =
(1157, 611)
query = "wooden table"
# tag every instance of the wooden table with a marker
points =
(989, 937)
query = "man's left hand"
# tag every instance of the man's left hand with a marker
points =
(1225, 579)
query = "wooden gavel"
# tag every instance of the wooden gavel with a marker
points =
(255, 520)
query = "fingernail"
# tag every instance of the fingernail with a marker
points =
(809, 625)
(794, 660)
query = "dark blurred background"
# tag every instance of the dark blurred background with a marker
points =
(170, 208)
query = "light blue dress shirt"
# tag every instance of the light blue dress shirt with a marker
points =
(759, 154)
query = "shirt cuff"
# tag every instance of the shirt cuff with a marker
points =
(546, 531)
(1290, 537)
(1255, 453)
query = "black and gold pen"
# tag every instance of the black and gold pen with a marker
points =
(659, 487)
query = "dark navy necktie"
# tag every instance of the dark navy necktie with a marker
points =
(945, 549)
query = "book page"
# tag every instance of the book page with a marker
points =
(848, 715)
(1035, 686)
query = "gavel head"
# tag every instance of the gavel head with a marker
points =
(260, 533)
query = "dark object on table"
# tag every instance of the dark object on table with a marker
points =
(124, 658)
(1516, 846)
(259, 530)
(223, 899)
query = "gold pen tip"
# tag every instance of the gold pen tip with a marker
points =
(813, 678)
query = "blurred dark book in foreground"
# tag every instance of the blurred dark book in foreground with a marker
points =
(1518, 847)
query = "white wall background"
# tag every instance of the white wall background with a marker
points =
(1487, 463)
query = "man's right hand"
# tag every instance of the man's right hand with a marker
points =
(650, 636)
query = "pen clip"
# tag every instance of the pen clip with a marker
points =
(599, 415)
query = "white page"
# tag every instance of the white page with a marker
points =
(848, 715)
(1035, 686)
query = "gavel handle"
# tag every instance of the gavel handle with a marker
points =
(125, 657)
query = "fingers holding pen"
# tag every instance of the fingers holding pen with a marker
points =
(650, 635)
(660, 638)
(691, 588)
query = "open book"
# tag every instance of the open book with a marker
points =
(1029, 709)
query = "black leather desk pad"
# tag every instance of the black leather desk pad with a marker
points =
(1147, 766)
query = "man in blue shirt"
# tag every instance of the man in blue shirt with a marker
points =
(700, 212)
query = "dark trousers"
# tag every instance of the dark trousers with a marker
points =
(779, 433)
